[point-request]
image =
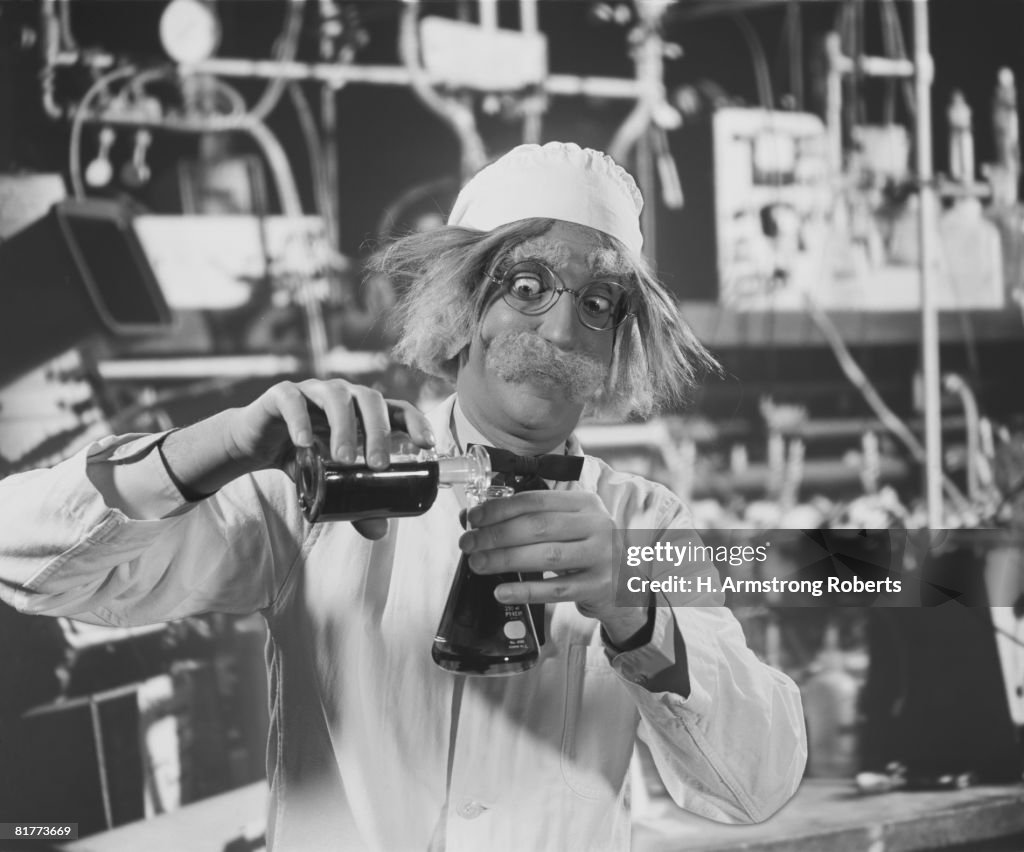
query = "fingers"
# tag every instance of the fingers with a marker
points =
(531, 528)
(497, 511)
(373, 411)
(288, 403)
(559, 556)
(359, 419)
(407, 418)
(555, 590)
(338, 403)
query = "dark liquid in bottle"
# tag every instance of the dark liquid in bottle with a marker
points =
(480, 635)
(355, 492)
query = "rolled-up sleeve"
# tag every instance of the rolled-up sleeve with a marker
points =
(731, 744)
(70, 546)
(734, 749)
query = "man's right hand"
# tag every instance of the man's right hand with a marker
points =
(344, 417)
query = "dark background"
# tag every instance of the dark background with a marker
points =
(388, 141)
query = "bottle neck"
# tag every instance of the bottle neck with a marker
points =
(473, 468)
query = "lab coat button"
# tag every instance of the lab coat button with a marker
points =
(471, 810)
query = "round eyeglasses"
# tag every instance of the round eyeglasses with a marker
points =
(532, 288)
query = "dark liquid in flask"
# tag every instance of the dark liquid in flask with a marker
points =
(355, 492)
(478, 634)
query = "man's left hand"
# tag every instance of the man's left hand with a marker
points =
(568, 533)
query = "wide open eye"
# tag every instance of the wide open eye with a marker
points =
(600, 303)
(527, 286)
(596, 306)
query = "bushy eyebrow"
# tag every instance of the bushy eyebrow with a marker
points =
(608, 261)
(604, 261)
(550, 251)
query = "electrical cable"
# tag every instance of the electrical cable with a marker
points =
(762, 74)
(315, 154)
(286, 48)
(318, 172)
(388, 223)
(862, 383)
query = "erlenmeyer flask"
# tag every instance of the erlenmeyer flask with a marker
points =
(479, 635)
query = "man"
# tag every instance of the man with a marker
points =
(536, 300)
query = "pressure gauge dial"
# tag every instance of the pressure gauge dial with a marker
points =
(189, 31)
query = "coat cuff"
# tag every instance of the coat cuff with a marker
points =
(659, 665)
(132, 476)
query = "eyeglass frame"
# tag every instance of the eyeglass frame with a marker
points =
(501, 280)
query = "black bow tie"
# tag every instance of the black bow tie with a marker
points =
(552, 466)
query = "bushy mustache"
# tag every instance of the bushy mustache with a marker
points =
(524, 356)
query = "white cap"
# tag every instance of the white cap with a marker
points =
(559, 180)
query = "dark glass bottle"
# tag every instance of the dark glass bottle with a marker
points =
(329, 491)
(479, 635)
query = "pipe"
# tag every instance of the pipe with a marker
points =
(877, 66)
(285, 49)
(488, 14)
(834, 107)
(954, 383)
(66, 33)
(78, 121)
(533, 107)
(926, 228)
(650, 92)
(564, 85)
(460, 118)
(329, 148)
(49, 42)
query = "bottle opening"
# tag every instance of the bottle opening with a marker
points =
(309, 482)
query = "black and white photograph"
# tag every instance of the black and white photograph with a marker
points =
(511, 426)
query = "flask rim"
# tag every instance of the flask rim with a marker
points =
(483, 493)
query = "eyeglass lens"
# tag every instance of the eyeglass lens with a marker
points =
(532, 288)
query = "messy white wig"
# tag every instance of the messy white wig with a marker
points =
(444, 292)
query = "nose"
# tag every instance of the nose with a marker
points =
(560, 325)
